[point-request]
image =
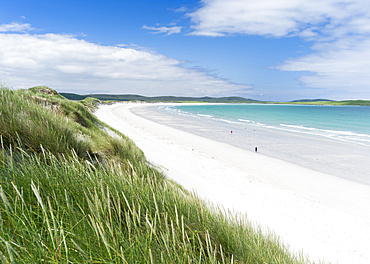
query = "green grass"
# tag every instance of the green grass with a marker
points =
(71, 193)
(347, 102)
(34, 121)
(351, 102)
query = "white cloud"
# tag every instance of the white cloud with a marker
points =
(163, 29)
(340, 29)
(16, 27)
(342, 66)
(182, 9)
(279, 18)
(66, 63)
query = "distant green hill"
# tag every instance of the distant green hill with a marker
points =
(132, 97)
(330, 102)
(206, 99)
(353, 102)
(311, 100)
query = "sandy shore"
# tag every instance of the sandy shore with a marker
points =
(325, 216)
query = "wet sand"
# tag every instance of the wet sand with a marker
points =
(325, 155)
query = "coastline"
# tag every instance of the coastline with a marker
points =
(326, 216)
(322, 154)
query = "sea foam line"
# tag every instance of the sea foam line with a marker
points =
(345, 136)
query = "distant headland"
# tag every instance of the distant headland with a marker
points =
(231, 99)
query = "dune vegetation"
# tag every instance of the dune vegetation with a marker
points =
(74, 190)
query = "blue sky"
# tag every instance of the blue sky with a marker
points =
(267, 50)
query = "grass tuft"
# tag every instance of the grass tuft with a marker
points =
(71, 193)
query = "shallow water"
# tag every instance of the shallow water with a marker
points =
(347, 158)
(345, 123)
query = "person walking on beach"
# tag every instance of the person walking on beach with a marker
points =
(255, 149)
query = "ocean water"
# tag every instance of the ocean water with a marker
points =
(349, 124)
(331, 139)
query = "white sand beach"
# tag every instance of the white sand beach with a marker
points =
(325, 216)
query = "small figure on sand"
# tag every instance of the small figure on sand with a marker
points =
(255, 149)
(231, 131)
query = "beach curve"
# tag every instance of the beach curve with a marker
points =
(326, 216)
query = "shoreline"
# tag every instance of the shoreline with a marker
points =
(326, 216)
(322, 154)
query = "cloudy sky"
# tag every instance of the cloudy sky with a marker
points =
(267, 49)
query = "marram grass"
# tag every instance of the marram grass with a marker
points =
(71, 211)
(108, 205)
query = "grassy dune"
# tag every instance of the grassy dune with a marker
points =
(74, 190)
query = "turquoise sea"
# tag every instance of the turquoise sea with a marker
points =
(350, 124)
